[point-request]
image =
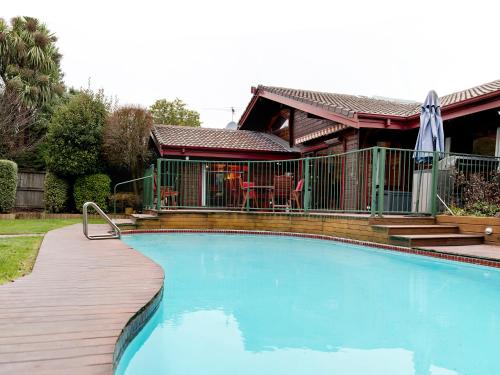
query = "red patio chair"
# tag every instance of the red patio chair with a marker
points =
(247, 192)
(296, 195)
(166, 193)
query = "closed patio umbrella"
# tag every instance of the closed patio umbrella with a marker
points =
(430, 135)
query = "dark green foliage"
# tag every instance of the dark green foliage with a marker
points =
(33, 158)
(8, 184)
(56, 193)
(95, 188)
(74, 135)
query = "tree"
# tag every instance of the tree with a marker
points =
(174, 113)
(126, 138)
(29, 61)
(75, 134)
(30, 85)
(15, 120)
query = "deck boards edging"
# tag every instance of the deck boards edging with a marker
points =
(70, 313)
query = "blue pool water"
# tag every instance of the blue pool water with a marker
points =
(243, 305)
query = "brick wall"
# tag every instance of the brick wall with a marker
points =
(357, 228)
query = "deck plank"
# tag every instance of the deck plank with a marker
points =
(66, 316)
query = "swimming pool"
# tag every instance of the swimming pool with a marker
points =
(244, 304)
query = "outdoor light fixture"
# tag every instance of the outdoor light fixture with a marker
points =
(488, 231)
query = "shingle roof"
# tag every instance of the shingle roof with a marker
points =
(184, 136)
(348, 105)
(473, 92)
(345, 105)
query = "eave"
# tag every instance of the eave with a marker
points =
(243, 154)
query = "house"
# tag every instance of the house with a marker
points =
(282, 125)
(320, 123)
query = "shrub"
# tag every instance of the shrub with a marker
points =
(95, 188)
(480, 193)
(56, 193)
(8, 184)
(74, 135)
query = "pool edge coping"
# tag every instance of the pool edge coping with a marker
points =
(134, 325)
(415, 251)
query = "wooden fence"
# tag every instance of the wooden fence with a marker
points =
(30, 187)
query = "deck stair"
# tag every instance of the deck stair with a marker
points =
(409, 232)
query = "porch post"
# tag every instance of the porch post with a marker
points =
(158, 184)
(307, 194)
(381, 181)
(375, 161)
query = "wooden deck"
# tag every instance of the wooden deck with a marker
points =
(67, 315)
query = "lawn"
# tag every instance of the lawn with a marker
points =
(22, 226)
(17, 256)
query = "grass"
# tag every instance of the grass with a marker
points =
(32, 226)
(17, 256)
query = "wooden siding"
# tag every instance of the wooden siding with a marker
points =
(305, 125)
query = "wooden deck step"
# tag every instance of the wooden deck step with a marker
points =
(423, 240)
(416, 229)
(126, 224)
(402, 220)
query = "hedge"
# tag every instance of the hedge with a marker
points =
(95, 188)
(56, 193)
(8, 185)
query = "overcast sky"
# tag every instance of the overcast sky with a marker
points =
(209, 53)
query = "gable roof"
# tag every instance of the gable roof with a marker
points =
(346, 108)
(220, 139)
(346, 105)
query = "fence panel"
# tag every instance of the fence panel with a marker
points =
(30, 189)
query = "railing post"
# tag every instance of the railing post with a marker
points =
(375, 161)
(307, 193)
(381, 181)
(248, 187)
(434, 182)
(158, 184)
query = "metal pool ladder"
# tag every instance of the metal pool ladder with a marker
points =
(115, 233)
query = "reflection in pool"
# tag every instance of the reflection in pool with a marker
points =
(283, 305)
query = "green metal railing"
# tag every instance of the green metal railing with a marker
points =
(149, 186)
(376, 180)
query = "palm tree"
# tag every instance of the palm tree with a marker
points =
(29, 61)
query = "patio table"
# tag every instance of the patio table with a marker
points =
(263, 189)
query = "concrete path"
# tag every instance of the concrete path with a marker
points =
(66, 316)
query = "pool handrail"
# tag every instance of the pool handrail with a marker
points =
(116, 233)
